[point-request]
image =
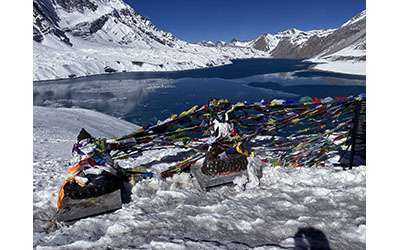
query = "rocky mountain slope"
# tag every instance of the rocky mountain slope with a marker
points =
(294, 43)
(345, 51)
(83, 37)
(343, 47)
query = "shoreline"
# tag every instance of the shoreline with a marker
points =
(338, 67)
(159, 74)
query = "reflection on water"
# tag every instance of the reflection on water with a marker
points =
(329, 74)
(114, 97)
(191, 91)
(141, 99)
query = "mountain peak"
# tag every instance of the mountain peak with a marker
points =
(291, 31)
(360, 16)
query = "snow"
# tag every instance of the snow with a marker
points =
(55, 129)
(175, 214)
(126, 42)
(299, 37)
(349, 60)
(350, 51)
(90, 58)
(75, 17)
(244, 44)
(295, 36)
(345, 67)
(357, 18)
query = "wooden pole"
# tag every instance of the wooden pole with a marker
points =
(354, 132)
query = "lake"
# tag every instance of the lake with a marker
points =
(145, 97)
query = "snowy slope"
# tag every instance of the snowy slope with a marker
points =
(84, 37)
(52, 63)
(110, 22)
(175, 214)
(55, 129)
(359, 17)
(350, 60)
(346, 55)
(54, 133)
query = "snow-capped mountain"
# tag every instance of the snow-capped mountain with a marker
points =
(102, 21)
(269, 42)
(213, 44)
(294, 43)
(359, 17)
(85, 37)
(345, 49)
(342, 49)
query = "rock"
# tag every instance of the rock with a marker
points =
(98, 24)
(137, 63)
(79, 5)
(108, 69)
(46, 21)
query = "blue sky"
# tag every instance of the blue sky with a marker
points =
(197, 20)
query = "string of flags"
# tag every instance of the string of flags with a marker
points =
(302, 132)
(284, 133)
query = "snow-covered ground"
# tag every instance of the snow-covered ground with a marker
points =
(176, 214)
(349, 60)
(345, 67)
(89, 58)
(346, 61)
(80, 38)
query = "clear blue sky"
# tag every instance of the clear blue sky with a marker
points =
(197, 20)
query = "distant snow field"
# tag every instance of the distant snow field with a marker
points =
(176, 214)
(345, 67)
(348, 61)
(63, 62)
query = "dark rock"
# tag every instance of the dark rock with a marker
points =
(79, 5)
(37, 35)
(137, 63)
(108, 69)
(98, 24)
(46, 21)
